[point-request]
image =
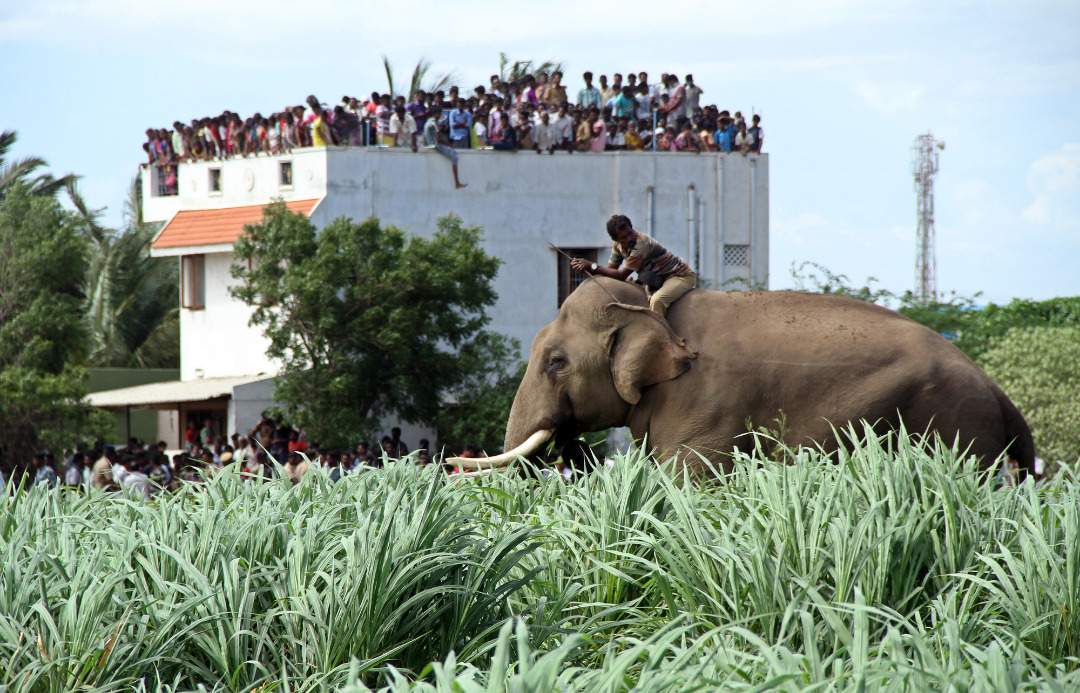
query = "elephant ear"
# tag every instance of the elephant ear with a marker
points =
(643, 350)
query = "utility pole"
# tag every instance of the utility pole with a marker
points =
(924, 164)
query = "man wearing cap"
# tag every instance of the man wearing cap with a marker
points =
(666, 277)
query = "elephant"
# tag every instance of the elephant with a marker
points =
(724, 359)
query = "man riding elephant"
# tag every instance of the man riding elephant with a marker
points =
(665, 276)
(692, 384)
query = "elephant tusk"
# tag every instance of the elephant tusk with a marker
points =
(481, 472)
(524, 450)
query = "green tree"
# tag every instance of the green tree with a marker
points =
(27, 172)
(976, 330)
(416, 79)
(477, 410)
(514, 70)
(42, 334)
(970, 326)
(366, 319)
(131, 307)
(1040, 369)
(819, 279)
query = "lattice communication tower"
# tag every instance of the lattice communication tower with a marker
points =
(924, 164)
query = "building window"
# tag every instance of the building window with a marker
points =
(285, 174)
(215, 180)
(193, 282)
(163, 181)
(568, 278)
(736, 255)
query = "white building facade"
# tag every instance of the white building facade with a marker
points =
(711, 209)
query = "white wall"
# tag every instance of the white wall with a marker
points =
(247, 404)
(217, 341)
(250, 181)
(523, 201)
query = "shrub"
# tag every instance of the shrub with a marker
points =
(1040, 369)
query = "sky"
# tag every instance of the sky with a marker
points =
(843, 88)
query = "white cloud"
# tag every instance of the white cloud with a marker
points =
(1054, 182)
(891, 98)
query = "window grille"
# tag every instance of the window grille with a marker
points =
(569, 279)
(736, 255)
(164, 181)
(285, 174)
(215, 180)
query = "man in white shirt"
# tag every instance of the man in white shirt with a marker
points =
(660, 89)
(403, 129)
(693, 95)
(650, 89)
(544, 134)
(564, 129)
(644, 103)
(131, 478)
(494, 118)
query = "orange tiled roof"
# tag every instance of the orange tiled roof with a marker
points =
(194, 227)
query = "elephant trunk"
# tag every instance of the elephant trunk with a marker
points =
(537, 407)
(534, 420)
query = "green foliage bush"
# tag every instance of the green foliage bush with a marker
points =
(1040, 369)
(970, 326)
(898, 567)
(478, 413)
(975, 329)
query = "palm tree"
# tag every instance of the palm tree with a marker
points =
(519, 69)
(131, 308)
(416, 81)
(25, 171)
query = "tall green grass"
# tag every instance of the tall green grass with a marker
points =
(896, 568)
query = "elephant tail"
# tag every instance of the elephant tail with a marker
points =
(1020, 446)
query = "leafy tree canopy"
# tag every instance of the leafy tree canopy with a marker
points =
(1040, 369)
(418, 79)
(516, 70)
(477, 414)
(366, 319)
(26, 172)
(42, 332)
(971, 327)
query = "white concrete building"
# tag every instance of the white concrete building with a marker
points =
(711, 209)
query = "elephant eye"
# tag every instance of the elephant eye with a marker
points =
(555, 362)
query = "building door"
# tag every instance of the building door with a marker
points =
(197, 416)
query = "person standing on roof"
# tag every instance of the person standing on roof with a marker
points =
(666, 277)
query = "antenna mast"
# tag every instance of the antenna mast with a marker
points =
(924, 164)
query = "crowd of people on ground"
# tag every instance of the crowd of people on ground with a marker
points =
(533, 113)
(146, 469)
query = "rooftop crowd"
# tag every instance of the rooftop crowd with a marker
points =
(145, 469)
(533, 113)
